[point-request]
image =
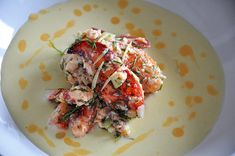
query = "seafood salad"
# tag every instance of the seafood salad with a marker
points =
(109, 75)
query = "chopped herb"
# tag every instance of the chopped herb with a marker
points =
(115, 45)
(91, 43)
(153, 67)
(79, 100)
(155, 77)
(161, 87)
(53, 46)
(105, 66)
(107, 123)
(68, 72)
(67, 115)
(79, 39)
(143, 64)
(147, 71)
(83, 90)
(118, 92)
(137, 73)
(62, 64)
(117, 62)
(130, 138)
(117, 137)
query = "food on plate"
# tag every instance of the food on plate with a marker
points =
(109, 75)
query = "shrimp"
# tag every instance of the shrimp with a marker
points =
(57, 114)
(78, 95)
(83, 121)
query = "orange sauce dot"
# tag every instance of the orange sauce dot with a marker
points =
(173, 34)
(70, 154)
(21, 66)
(60, 135)
(125, 147)
(59, 33)
(189, 101)
(44, 37)
(70, 24)
(169, 121)
(43, 11)
(115, 20)
(212, 91)
(189, 84)
(122, 4)
(182, 69)
(41, 133)
(160, 45)
(32, 128)
(33, 17)
(187, 51)
(70, 142)
(158, 22)
(77, 12)
(137, 32)
(130, 26)
(198, 99)
(136, 10)
(25, 105)
(42, 66)
(82, 152)
(161, 66)
(156, 32)
(87, 8)
(46, 76)
(22, 45)
(23, 83)
(178, 132)
(171, 103)
(192, 115)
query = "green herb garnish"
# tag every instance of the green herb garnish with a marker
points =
(91, 43)
(117, 136)
(117, 62)
(115, 45)
(80, 100)
(53, 46)
(67, 115)
(83, 90)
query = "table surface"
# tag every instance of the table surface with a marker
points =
(214, 18)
